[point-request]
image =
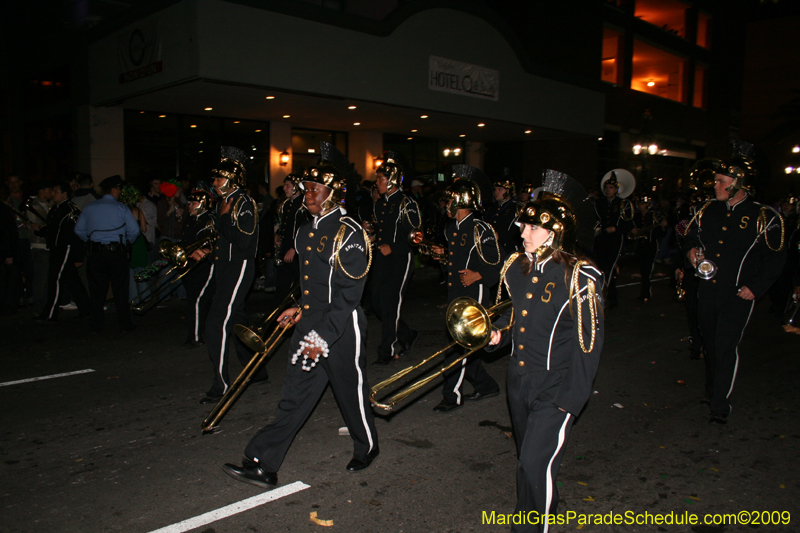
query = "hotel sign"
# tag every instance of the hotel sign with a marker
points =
(462, 78)
(139, 52)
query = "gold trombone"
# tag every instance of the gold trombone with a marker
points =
(470, 324)
(179, 257)
(425, 246)
(253, 338)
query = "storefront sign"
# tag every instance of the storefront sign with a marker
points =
(139, 52)
(462, 78)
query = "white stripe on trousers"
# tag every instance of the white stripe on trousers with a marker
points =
(197, 305)
(736, 366)
(361, 380)
(58, 283)
(225, 325)
(400, 302)
(549, 478)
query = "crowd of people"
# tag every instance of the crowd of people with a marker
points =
(553, 251)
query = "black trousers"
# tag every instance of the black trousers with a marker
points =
(233, 281)
(646, 252)
(389, 281)
(541, 432)
(470, 369)
(723, 316)
(62, 278)
(607, 248)
(102, 269)
(200, 287)
(286, 276)
(690, 285)
(345, 370)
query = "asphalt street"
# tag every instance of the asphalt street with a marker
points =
(120, 448)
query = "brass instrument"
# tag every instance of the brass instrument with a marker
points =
(425, 246)
(705, 268)
(179, 257)
(470, 324)
(253, 339)
(791, 318)
(680, 292)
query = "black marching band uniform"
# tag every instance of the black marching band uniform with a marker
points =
(234, 257)
(66, 249)
(647, 238)
(292, 215)
(746, 243)
(199, 282)
(471, 245)
(502, 215)
(608, 246)
(396, 216)
(556, 343)
(334, 257)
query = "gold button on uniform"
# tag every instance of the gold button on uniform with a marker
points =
(522, 363)
(455, 234)
(311, 234)
(305, 277)
(713, 281)
(308, 248)
(717, 255)
(453, 243)
(521, 347)
(724, 228)
(728, 215)
(305, 306)
(524, 312)
(305, 262)
(522, 330)
(305, 292)
(449, 273)
(535, 279)
(720, 242)
(529, 295)
(449, 284)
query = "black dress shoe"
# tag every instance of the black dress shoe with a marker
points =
(356, 465)
(719, 420)
(446, 406)
(210, 398)
(251, 473)
(475, 396)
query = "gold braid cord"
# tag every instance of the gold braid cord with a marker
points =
(697, 216)
(479, 246)
(762, 226)
(404, 210)
(235, 216)
(337, 246)
(591, 298)
(506, 266)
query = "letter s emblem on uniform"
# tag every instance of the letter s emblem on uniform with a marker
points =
(550, 285)
(464, 240)
(322, 242)
(743, 225)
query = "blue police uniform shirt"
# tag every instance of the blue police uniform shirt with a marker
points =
(107, 220)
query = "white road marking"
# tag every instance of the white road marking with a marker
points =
(7, 383)
(234, 508)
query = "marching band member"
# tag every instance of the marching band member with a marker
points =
(648, 230)
(473, 266)
(742, 244)
(291, 217)
(329, 340)
(502, 213)
(66, 254)
(234, 258)
(556, 341)
(199, 283)
(396, 216)
(613, 227)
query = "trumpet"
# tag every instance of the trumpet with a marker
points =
(179, 257)
(264, 348)
(470, 324)
(425, 246)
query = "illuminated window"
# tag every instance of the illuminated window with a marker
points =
(612, 41)
(657, 72)
(704, 30)
(669, 15)
(699, 100)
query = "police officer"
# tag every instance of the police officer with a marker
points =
(396, 216)
(502, 212)
(556, 340)
(109, 228)
(473, 267)
(199, 282)
(234, 258)
(648, 230)
(292, 215)
(329, 340)
(66, 254)
(615, 216)
(741, 245)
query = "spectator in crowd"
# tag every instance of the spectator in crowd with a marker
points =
(36, 212)
(85, 194)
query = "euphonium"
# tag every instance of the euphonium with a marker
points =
(425, 246)
(470, 324)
